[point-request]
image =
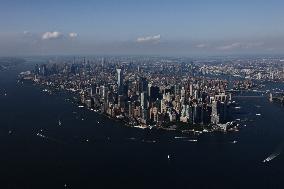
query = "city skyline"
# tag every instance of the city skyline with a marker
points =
(141, 93)
(144, 27)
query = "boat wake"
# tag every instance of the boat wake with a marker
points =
(48, 138)
(271, 157)
(180, 137)
(276, 153)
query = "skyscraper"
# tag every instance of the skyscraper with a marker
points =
(119, 80)
(143, 100)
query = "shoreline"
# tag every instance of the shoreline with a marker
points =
(196, 129)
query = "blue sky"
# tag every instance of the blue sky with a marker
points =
(172, 27)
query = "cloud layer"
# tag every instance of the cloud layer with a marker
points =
(57, 42)
(240, 45)
(56, 35)
(154, 38)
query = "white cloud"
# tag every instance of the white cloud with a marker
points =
(73, 35)
(202, 45)
(51, 35)
(154, 38)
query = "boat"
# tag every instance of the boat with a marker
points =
(258, 114)
(59, 123)
(169, 157)
(234, 142)
(80, 106)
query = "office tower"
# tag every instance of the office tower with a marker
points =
(103, 92)
(223, 112)
(149, 90)
(190, 90)
(143, 85)
(143, 100)
(43, 70)
(90, 91)
(120, 101)
(182, 93)
(119, 80)
(153, 93)
(215, 112)
(129, 104)
(196, 95)
(177, 90)
(37, 69)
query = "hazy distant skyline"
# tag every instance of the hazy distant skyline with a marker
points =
(163, 27)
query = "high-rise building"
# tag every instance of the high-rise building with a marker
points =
(214, 114)
(143, 85)
(143, 100)
(190, 90)
(119, 79)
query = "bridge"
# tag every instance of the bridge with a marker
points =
(254, 91)
(247, 96)
(241, 91)
(273, 96)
